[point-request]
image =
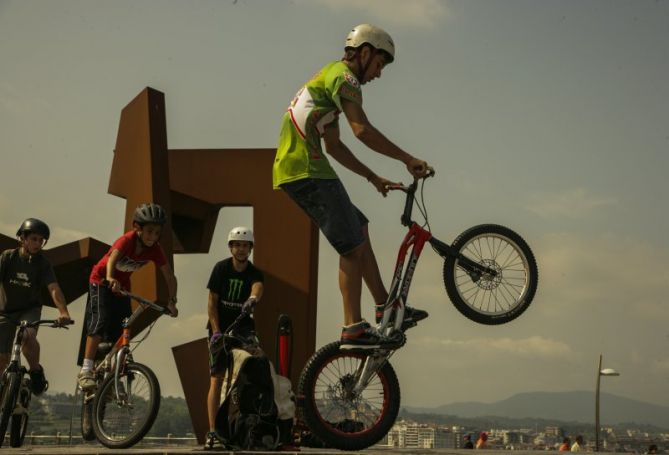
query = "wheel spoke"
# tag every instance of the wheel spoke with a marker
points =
(498, 293)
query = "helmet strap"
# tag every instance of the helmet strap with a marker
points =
(362, 68)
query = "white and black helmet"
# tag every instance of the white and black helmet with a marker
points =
(149, 214)
(240, 234)
(374, 36)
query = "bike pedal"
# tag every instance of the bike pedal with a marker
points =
(406, 325)
(399, 337)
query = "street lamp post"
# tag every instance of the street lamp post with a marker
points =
(600, 373)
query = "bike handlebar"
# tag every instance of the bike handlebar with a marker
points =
(407, 189)
(142, 301)
(52, 322)
(238, 319)
(410, 191)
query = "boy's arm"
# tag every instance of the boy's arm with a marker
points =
(171, 288)
(340, 152)
(257, 289)
(111, 266)
(375, 140)
(59, 300)
(212, 312)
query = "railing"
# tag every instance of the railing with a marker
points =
(63, 438)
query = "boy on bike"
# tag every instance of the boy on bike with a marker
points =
(302, 170)
(24, 271)
(235, 286)
(106, 308)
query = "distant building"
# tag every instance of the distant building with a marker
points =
(410, 435)
(554, 431)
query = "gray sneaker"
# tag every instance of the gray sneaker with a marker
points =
(86, 380)
(362, 336)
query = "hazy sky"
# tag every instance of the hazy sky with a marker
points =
(549, 117)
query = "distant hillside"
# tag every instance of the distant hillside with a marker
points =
(566, 406)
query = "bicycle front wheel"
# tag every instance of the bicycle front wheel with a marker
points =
(17, 432)
(492, 298)
(10, 392)
(334, 412)
(122, 416)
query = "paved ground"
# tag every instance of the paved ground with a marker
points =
(96, 449)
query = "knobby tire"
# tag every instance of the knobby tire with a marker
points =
(17, 430)
(354, 430)
(109, 416)
(495, 299)
(87, 433)
(10, 392)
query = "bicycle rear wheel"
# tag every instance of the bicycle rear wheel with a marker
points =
(121, 418)
(10, 391)
(334, 413)
(492, 299)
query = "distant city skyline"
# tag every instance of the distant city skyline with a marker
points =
(547, 117)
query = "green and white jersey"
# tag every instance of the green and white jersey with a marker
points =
(317, 104)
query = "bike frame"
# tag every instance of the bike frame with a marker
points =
(120, 354)
(412, 246)
(15, 367)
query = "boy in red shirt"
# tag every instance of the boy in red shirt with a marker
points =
(106, 309)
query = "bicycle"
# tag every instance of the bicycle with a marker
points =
(123, 406)
(15, 385)
(350, 399)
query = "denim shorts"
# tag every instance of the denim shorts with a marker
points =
(328, 205)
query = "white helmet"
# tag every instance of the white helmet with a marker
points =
(374, 36)
(240, 234)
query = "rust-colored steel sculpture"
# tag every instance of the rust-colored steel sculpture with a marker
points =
(192, 186)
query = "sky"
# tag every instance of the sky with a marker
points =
(551, 118)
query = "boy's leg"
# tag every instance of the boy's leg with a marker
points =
(31, 351)
(7, 332)
(350, 284)
(31, 348)
(214, 399)
(370, 271)
(96, 315)
(92, 342)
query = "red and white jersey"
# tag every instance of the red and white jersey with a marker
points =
(128, 261)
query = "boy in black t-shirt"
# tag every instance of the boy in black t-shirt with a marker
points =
(235, 285)
(24, 272)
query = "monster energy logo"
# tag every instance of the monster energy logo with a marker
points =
(235, 289)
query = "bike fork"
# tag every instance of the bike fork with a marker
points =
(372, 364)
(121, 357)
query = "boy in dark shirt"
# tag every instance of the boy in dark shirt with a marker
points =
(235, 286)
(24, 271)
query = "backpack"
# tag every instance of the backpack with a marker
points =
(248, 417)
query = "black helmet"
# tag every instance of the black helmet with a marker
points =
(36, 226)
(149, 214)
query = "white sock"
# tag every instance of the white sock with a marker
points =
(355, 324)
(88, 365)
